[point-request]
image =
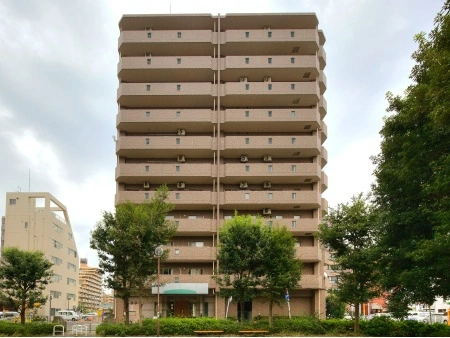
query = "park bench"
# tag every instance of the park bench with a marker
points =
(208, 332)
(253, 332)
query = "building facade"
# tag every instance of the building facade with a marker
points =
(38, 221)
(228, 112)
(90, 287)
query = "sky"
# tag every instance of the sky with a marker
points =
(58, 82)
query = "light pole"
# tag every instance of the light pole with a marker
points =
(68, 302)
(50, 314)
(158, 252)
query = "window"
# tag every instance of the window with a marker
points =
(294, 224)
(279, 217)
(25, 225)
(247, 113)
(71, 266)
(293, 140)
(196, 244)
(269, 60)
(247, 87)
(297, 217)
(247, 196)
(247, 60)
(292, 34)
(177, 114)
(178, 87)
(294, 196)
(293, 168)
(292, 86)
(292, 113)
(57, 228)
(177, 223)
(269, 140)
(269, 196)
(147, 114)
(196, 271)
(147, 141)
(149, 61)
(177, 196)
(176, 280)
(334, 279)
(192, 217)
(269, 86)
(177, 251)
(177, 168)
(71, 281)
(146, 195)
(269, 113)
(269, 34)
(12, 201)
(177, 140)
(55, 294)
(179, 61)
(148, 88)
(179, 34)
(292, 60)
(269, 168)
(69, 235)
(247, 168)
(71, 296)
(247, 34)
(72, 252)
(57, 244)
(147, 168)
(149, 35)
(228, 217)
(247, 140)
(167, 271)
(56, 278)
(297, 244)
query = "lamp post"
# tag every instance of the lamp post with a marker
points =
(50, 313)
(68, 302)
(158, 253)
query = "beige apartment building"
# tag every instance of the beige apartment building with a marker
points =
(90, 287)
(38, 221)
(228, 112)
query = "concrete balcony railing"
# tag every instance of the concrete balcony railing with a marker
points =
(185, 278)
(165, 36)
(323, 131)
(165, 89)
(322, 107)
(294, 115)
(165, 142)
(273, 143)
(165, 62)
(308, 253)
(273, 199)
(322, 57)
(178, 198)
(195, 226)
(323, 156)
(191, 254)
(322, 83)
(310, 281)
(299, 36)
(302, 225)
(148, 170)
(272, 88)
(324, 206)
(324, 181)
(305, 62)
(279, 171)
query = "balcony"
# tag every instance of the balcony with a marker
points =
(195, 227)
(323, 131)
(310, 282)
(185, 278)
(324, 206)
(302, 226)
(308, 253)
(322, 107)
(322, 83)
(324, 182)
(322, 57)
(324, 156)
(178, 254)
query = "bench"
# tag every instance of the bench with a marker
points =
(253, 332)
(208, 332)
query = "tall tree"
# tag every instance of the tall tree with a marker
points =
(349, 232)
(126, 243)
(413, 176)
(282, 270)
(23, 277)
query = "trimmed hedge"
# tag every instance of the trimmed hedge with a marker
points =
(29, 329)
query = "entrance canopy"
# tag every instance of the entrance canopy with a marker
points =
(182, 289)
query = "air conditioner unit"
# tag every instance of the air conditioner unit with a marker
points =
(267, 79)
(181, 158)
(148, 54)
(181, 185)
(181, 132)
(146, 185)
(244, 158)
(267, 211)
(243, 79)
(267, 158)
(266, 27)
(148, 28)
(243, 185)
(267, 184)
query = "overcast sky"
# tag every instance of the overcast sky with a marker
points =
(58, 87)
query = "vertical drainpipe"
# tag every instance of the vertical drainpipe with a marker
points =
(218, 145)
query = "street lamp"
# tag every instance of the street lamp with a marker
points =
(68, 300)
(158, 253)
(50, 314)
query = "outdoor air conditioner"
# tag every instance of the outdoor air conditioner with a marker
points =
(243, 185)
(243, 79)
(148, 54)
(266, 27)
(267, 79)
(182, 132)
(244, 158)
(181, 158)
(146, 185)
(267, 158)
(267, 184)
(181, 185)
(267, 211)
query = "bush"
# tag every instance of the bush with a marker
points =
(29, 329)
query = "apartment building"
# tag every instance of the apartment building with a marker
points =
(90, 287)
(228, 112)
(38, 221)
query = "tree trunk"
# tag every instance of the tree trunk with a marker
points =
(270, 311)
(356, 327)
(126, 307)
(242, 312)
(22, 312)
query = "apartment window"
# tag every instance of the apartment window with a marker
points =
(12, 201)
(294, 195)
(269, 60)
(247, 34)
(177, 168)
(71, 296)
(228, 217)
(149, 35)
(293, 140)
(177, 140)
(192, 217)
(179, 61)
(167, 271)
(178, 87)
(333, 279)
(147, 114)
(25, 225)
(149, 61)
(71, 266)
(57, 244)
(69, 235)
(71, 281)
(269, 34)
(247, 87)
(247, 168)
(55, 227)
(177, 223)
(177, 196)
(177, 114)
(247, 140)
(292, 60)
(56, 278)
(247, 60)
(147, 168)
(196, 244)
(55, 294)
(247, 196)
(196, 271)
(270, 168)
(293, 113)
(269, 86)
(292, 34)
(293, 167)
(279, 217)
(72, 252)
(177, 251)
(179, 34)
(294, 224)
(269, 140)
(146, 195)
(269, 113)
(147, 141)
(247, 113)
(148, 88)
(269, 196)
(297, 217)
(292, 86)
(297, 244)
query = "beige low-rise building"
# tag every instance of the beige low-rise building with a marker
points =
(38, 221)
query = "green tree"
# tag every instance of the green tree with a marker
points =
(413, 176)
(240, 259)
(23, 277)
(126, 243)
(349, 232)
(334, 306)
(282, 270)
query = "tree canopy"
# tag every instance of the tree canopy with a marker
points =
(23, 278)
(413, 176)
(126, 243)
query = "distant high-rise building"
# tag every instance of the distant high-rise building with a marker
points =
(90, 288)
(38, 221)
(228, 112)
